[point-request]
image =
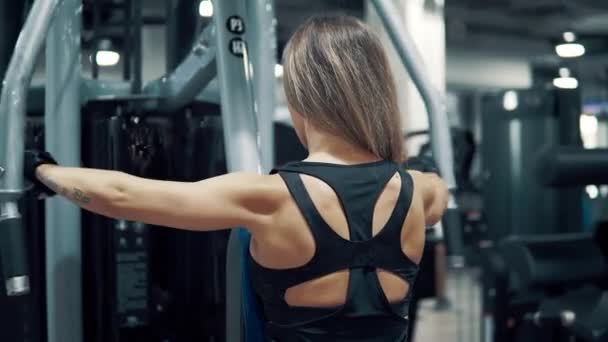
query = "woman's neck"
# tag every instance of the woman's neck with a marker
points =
(330, 148)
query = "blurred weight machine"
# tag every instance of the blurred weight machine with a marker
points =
(138, 282)
(544, 279)
(165, 284)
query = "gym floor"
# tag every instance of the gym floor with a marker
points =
(460, 321)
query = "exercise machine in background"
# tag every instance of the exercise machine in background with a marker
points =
(139, 282)
(544, 278)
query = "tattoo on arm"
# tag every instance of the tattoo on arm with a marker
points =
(64, 192)
(77, 195)
(80, 197)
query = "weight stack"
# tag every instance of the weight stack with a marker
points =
(142, 282)
(120, 301)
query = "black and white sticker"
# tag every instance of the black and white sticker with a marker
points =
(237, 47)
(236, 24)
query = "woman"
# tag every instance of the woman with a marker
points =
(336, 238)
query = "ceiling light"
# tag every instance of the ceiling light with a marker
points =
(510, 101)
(569, 37)
(592, 191)
(107, 57)
(565, 80)
(588, 124)
(569, 48)
(205, 9)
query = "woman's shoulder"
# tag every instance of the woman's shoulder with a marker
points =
(267, 189)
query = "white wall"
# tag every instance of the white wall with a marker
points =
(478, 70)
(427, 27)
(399, 74)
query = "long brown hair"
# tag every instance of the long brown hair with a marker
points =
(337, 75)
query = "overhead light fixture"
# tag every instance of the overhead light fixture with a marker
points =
(105, 55)
(107, 58)
(278, 70)
(565, 80)
(569, 36)
(510, 101)
(205, 9)
(592, 191)
(569, 48)
(588, 126)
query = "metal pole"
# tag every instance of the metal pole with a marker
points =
(10, 25)
(136, 24)
(12, 125)
(11, 15)
(193, 74)
(96, 39)
(182, 18)
(441, 141)
(62, 139)
(240, 124)
(263, 49)
(414, 64)
(127, 62)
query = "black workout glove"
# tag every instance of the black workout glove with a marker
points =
(423, 164)
(31, 160)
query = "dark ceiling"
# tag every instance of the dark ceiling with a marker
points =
(526, 28)
(530, 28)
(291, 13)
(541, 20)
(532, 19)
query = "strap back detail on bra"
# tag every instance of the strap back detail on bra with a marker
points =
(358, 188)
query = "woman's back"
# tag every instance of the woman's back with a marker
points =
(342, 253)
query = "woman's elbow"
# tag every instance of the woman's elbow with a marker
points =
(439, 203)
(117, 201)
(433, 216)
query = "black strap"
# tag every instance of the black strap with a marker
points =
(395, 222)
(300, 195)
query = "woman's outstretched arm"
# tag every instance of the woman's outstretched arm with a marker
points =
(232, 200)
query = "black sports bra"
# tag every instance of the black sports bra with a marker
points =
(367, 315)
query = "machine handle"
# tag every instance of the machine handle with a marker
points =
(13, 256)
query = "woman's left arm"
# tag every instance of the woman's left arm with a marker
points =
(231, 200)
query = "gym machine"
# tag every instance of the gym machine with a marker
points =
(66, 91)
(240, 40)
(441, 143)
(514, 201)
(551, 287)
(543, 280)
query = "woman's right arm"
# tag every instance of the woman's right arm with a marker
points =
(434, 193)
(231, 200)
